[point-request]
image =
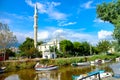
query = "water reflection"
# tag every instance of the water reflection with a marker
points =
(63, 73)
(12, 77)
(47, 75)
(116, 69)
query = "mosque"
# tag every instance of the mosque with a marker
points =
(44, 48)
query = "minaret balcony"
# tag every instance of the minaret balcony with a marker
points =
(35, 16)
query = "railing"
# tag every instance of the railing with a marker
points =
(96, 73)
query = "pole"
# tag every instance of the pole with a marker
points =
(90, 50)
(99, 76)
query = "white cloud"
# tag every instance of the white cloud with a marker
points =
(29, 2)
(21, 36)
(43, 35)
(97, 20)
(57, 15)
(105, 35)
(11, 17)
(59, 33)
(5, 21)
(88, 5)
(49, 9)
(64, 23)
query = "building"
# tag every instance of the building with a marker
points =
(111, 50)
(45, 48)
(2, 57)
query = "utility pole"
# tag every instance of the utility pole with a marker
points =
(90, 49)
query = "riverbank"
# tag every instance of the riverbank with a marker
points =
(12, 65)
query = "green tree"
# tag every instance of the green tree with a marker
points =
(77, 48)
(103, 46)
(66, 47)
(86, 48)
(111, 12)
(28, 48)
(95, 50)
(10, 53)
(40, 42)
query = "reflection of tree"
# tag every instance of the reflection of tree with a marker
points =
(26, 74)
(2, 77)
(5, 75)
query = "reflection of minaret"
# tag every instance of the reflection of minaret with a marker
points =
(35, 26)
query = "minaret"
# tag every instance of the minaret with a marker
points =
(35, 26)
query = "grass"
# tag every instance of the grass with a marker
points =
(29, 64)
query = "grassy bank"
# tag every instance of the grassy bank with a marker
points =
(29, 64)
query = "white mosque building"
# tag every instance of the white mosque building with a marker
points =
(45, 48)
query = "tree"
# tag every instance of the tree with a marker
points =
(66, 47)
(28, 47)
(86, 48)
(111, 12)
(77, 48)
(10, 53)
(40, 42)
(7, 39)
(103, 45)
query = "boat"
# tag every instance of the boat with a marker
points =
(81, 64)
(2, 69)
(92, 75)
(40, 67)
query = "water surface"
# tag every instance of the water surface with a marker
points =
(63, 73)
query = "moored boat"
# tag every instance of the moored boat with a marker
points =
(81, 64)
(92, 75)
(2, 69)
(40, 67)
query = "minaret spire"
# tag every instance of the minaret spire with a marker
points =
(36, 8)
(35, 25)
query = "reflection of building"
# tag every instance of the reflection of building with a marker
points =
(48, 75)
(45, 48)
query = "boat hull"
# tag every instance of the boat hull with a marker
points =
(46, 68)
(81, 64)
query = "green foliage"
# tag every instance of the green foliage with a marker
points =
(103, 46)
(40, 42)
(67, 61)
(29, 64)
(77, 48)
(13, 66)
(44, 61)
(69, 49)
(53, 48)
(111, 12)
(28, 48)
(29, 43)
(86, 48)
(104, 57)
(66, 47)
(10, 53)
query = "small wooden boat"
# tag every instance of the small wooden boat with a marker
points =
(81, 64)
(2, 69)
(40, 67)
(92, 75)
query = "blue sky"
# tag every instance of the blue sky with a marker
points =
(67, 19)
